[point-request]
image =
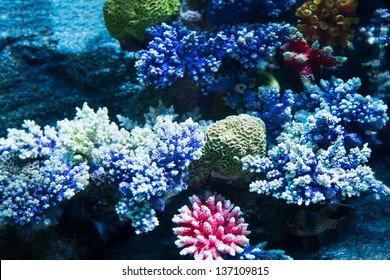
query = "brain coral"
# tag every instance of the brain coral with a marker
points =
(126, 20)
(328, 21)
(229, 140)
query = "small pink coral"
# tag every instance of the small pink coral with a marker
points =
(210, 228)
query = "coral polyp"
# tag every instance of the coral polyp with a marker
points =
(327, 21)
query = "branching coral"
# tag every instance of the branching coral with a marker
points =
(357, 113)
(229, 140)
(327, 21)
(87, 131)
(152, 172)
(268, 104)
(175, 49)
(35, 176)
(301, 172)
(126, 20)
(210, 228)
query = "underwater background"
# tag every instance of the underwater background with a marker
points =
(237, 129)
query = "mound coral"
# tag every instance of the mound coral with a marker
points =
(126, 20)
(229, 140)
(210, 228)
(327, 21)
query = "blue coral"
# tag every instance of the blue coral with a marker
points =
(175, 49)
(301, 172)
(268, 104)
(161, 64)
(155, 170)
(357, 113)
(35, 175)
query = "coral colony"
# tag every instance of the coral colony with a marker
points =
(305, 145)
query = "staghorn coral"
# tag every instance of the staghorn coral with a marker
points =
(89, 130)
(126, 20)
(176, 50)
(311, 164)
(36, 176)
(210, 228)
(154, 170)
(327, 21)
(229, 140)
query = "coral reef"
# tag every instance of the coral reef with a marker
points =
(36, 175)
(230, 122)
(327, 21)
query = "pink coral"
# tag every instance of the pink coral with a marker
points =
(306, 60)
(210, 228)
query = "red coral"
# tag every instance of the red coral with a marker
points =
(306, 60)
(210, 228)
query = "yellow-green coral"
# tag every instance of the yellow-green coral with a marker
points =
(127, 19)
(229, 140)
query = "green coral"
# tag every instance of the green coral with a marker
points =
(229, 140)
(126, 20)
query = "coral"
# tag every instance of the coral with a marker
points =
(154, 170)
(89, 130)
(35, 176)
(210, 228)
(301, 172)
(175, 50)
(229, 140)
(269, 104)
(306, 60)
(162, 63)
(327, 21)
(126, 20)
(357, 113)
